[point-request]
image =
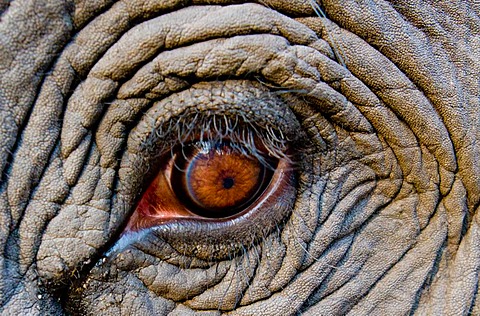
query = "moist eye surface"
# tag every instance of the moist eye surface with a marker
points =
(217, 181)
(218, 177)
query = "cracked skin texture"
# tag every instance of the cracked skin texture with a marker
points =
(384, 218)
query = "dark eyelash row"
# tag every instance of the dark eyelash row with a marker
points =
(243, 133)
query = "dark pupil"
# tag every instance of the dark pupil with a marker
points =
(228, 183)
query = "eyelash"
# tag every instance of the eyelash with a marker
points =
(241, 132)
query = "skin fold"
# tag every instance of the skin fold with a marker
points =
(379, 98)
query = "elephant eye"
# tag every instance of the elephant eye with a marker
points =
(209, 180)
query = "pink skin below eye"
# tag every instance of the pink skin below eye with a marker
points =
(157, 205)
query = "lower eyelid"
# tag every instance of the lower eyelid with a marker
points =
(207, 240)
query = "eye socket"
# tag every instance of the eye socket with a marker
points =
(210, 180)
(215, 180)
(249, 119)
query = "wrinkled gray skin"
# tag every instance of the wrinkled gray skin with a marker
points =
(383, 219)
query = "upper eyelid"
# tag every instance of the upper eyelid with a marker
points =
(261, 112)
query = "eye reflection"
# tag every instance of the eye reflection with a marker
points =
(211, 180)
(215, 180)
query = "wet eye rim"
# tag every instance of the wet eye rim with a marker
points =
(210, 240)
(275, 176)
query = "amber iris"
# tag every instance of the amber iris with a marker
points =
(215, 181)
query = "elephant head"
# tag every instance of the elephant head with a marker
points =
(350, 131)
